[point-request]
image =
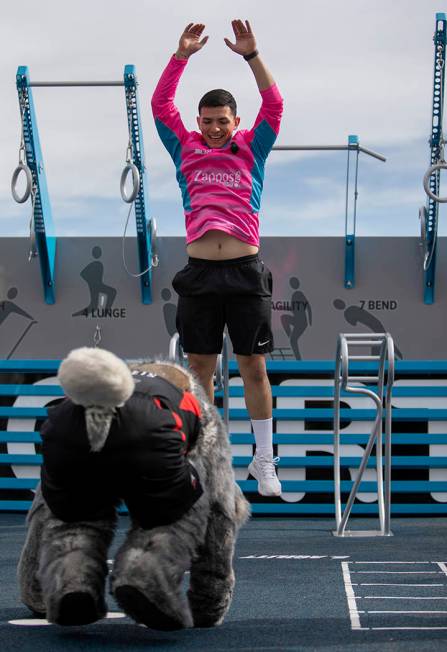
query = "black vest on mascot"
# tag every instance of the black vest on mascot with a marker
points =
(142, 462)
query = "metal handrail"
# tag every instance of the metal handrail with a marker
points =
(222, 380)
(176, 353)
(344, 376)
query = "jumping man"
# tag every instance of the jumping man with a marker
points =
(220, 172)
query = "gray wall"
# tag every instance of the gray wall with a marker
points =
(308, 278)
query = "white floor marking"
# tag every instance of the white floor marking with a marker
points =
(402, 597)
(39, 622)
(435, 611)
(399, 572)
(406, 628)
(395, 584)
(353, 599)
(115, 614)
(293, 557)
(350, 596)
(392, 562)
(29, 622)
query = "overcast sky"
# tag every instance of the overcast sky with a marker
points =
(344, 67)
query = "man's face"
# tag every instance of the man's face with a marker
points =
(216, 124)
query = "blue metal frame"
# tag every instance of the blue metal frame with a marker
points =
(326, 367)
(43, 220)
(432, 206)
(144, 241)
(353, 145)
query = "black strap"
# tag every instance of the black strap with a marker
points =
(252, 55)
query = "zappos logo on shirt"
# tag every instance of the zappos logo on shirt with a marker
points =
(230, 179)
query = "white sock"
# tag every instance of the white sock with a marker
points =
(263, 432)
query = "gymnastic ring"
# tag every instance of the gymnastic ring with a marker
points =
(29, 183)
(130, 167)
(427, 175)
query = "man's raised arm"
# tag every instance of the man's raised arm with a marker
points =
(268, 120)
(167, 116)
(246, 46)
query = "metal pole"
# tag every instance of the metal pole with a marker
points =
(373, 154)
(379, 439)
(225, 383)
(364, 462)
(388, 433)
(77, 83)
(337, 481)
(347, 191)
(356, 192)
(309, 147)
(174, 348)
(290, 148)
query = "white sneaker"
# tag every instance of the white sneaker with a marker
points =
(262, 468)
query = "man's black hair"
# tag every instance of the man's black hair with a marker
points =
(218, 97)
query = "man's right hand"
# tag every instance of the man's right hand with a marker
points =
(190, 42)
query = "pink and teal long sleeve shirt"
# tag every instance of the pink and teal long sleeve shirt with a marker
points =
(221, 187)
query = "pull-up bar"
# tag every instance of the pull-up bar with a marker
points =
(352, 146)
(76, 83)
(31, 162)
(331, 148)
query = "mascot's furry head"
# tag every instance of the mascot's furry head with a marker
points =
(100, 381)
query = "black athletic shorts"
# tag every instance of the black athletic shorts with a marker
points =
(214, 293)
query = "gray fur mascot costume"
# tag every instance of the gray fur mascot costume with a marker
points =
(146, 435)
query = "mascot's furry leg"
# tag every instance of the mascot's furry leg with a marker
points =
(27, 571)
(63, 566)
(149, 568)
(73, 570)
(212, 576)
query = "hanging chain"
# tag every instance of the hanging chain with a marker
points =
(32, 253)
(22, 150)
(440, 65)
(97, 337)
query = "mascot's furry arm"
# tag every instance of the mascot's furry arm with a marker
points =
(63, 566)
